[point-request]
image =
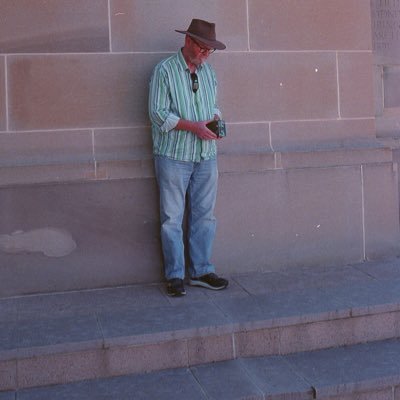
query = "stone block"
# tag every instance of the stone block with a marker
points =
(209, 349)
(385, 31)
(273, 376)
(356, 85)
(337, 372)
(339, 332)
(301, 220)
(214, 378)
(115, 226)
(277, 86)
(247, 162)
(51, 173)
(162, 324)
(126, 15)
(288, 135)
(45, 147)
(334, 157)
(69, 91)
(3, 116)
(269, 21)
(391, 87)
(122, 144)
(253, 343)
(243, 138)
(139, 359)
(161, 385)
(378, 90)
(8, 375)
(381, 212)
(7, 396)
(54, 26)
(385, 394)
(61, 368)
(125, 169)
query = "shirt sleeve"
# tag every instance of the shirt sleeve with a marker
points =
(160, 102)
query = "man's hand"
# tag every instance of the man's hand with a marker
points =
(203, 132)
(199, 128)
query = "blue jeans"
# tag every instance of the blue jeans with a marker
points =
(197, 180)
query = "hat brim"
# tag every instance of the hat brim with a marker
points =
(215, 44)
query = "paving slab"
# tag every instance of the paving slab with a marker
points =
(139, 326)
(367, 297)
(89, 301)
(7, 396)
(226, 381)
(23, 338)
(259, 311)
(299, 278)
(358, 368)
(164, 385)
(382, 270)
(8, 310)
(274, 376)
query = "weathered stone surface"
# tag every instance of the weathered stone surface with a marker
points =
(127, 15)
(269, 21)
(54, 26)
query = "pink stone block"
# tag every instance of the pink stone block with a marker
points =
(147, 358)
(21, 148)
(209, 349)
(127, 15)
(277, 86)
(242, 138)
(8, 375)
(385, 394)
(70, 91)
(309, 25)
(382, 235)
(319, 134)
(2, 96)
(61, 368)
(122, 144)
(54, 26)
(254, 343)
(339, 332)
(356, 85)
(288, 218)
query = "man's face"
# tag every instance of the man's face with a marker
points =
(198, 51)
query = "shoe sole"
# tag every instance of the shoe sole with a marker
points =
(176, 294)
(206, 285)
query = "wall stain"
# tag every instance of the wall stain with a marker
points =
(52, 242)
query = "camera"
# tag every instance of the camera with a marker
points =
(218, 127)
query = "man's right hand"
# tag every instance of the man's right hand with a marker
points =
(199, 128)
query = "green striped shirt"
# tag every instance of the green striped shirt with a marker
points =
(171, 99)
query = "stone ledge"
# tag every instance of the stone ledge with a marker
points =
(233, 161)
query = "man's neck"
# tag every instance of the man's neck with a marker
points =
(192, 67)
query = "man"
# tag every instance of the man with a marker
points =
(182, 101)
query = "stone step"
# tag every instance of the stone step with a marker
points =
(360, 372)
(73, 336)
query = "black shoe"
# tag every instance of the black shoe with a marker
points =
(175, 287)
(210, 281)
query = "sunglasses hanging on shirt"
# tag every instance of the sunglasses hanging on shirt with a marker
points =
(195, 82)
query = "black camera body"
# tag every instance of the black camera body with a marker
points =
(218, 127)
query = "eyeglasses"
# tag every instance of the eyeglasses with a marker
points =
(203, 50)
(195, 82)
